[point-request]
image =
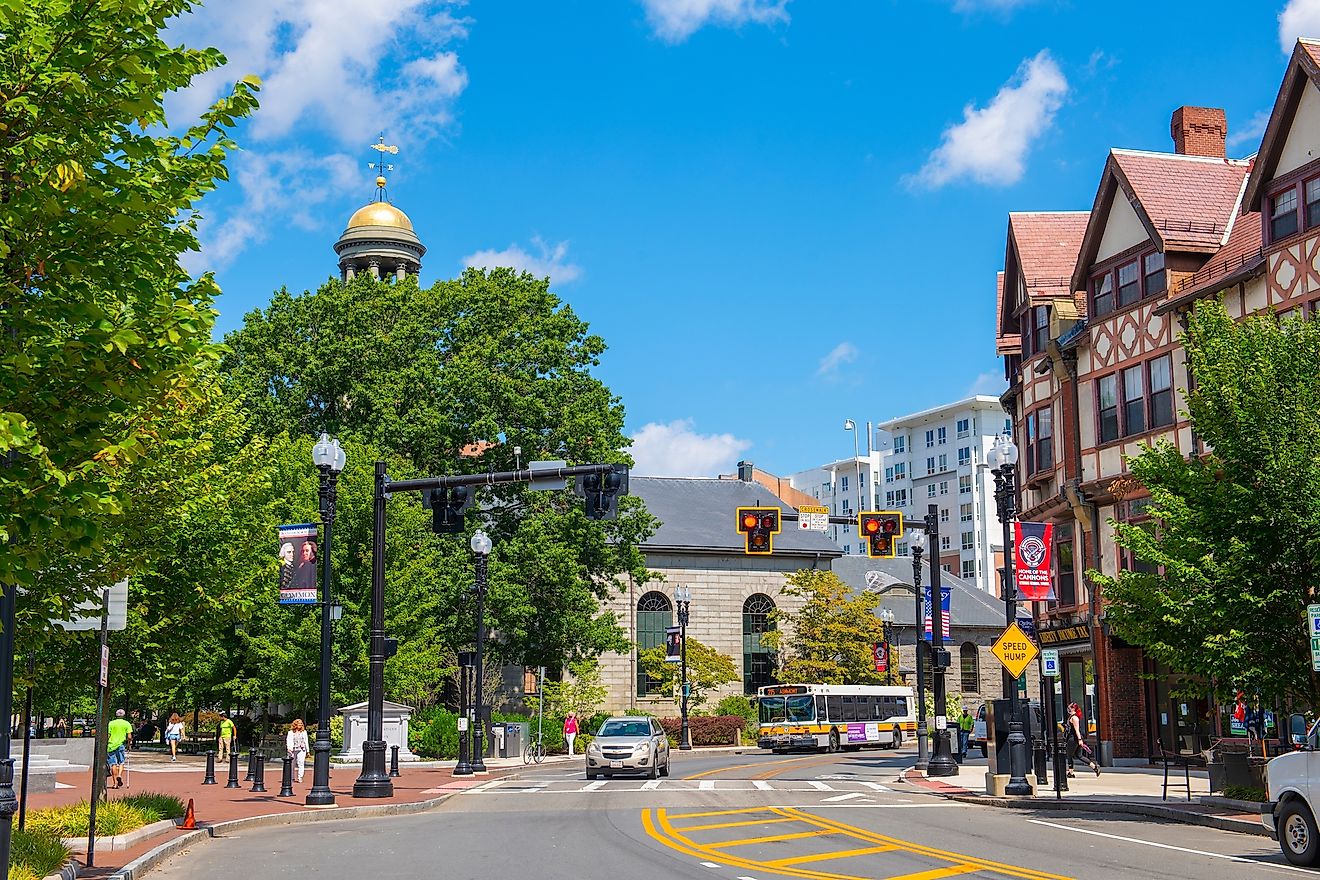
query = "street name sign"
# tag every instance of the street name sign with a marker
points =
(1313, 630)
(1014, 650)
(814, 519)
(1049, 661)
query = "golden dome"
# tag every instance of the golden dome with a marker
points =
(380, 214)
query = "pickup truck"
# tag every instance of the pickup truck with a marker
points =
(1289, 809)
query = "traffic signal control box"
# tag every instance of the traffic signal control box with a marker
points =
(881, 530)
(758, 525)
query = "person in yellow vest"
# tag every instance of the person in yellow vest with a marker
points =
(965, 723)
(119, 735)
(228, 737)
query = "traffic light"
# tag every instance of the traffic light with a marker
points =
(601, 491)
(447, 507)
(758, 524)
(881, 529)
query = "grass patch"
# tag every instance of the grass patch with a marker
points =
(167, 806)
(1245, 793)
(34, 855)
(112, 817)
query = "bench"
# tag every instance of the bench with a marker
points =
(1186, 762)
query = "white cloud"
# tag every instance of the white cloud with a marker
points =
(990, 382)
(843, 353)
(326, 69)
(675, 20)
(676, 450)
(1251, 133)
(550, 260)
(991, 143)
(966, 6)
(1300, 18)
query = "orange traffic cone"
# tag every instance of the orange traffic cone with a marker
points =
(189, 819)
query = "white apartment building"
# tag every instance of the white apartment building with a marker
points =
(937, 456)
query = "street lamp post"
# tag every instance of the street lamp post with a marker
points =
(887, 627)
(683, 600)
(941, 763)
(481, 546)
(329, 458)
(918, 544)
(1002, 458)
(850, 425)
(373, 781)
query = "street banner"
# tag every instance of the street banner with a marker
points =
(298, 559)
(946, 598)
(881, 654)
(1313, 632)
(1031, 561)
(674, 644)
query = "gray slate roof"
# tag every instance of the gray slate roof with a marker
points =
(698, 515)
(969, 606)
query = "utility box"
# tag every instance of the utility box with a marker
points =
(996, 734)
(515, 737)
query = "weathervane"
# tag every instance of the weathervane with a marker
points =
(380, 165)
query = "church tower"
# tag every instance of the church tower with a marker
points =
(379, 239)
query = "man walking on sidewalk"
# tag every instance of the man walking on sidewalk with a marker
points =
(228, 736)
(965, 722)
(119, 735)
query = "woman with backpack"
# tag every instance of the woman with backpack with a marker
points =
(1076, 740)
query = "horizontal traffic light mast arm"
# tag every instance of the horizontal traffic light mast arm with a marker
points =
(789, 516)
(526, 475)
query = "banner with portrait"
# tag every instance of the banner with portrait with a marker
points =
(1031, 561)
(298, 564)
(674, 644)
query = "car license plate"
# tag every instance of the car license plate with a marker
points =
(616, 765)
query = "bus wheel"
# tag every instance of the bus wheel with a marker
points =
(898, 737)
(834, 741)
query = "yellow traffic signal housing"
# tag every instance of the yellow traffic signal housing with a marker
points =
(881, 529)
(758, 525)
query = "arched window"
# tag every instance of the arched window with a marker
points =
(758, 661)
(970, 664)
(654, 615)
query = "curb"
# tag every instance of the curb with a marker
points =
(78, 845)
(1223, 823)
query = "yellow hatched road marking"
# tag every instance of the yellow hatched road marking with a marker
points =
(773, 838)
(939, 872)
(659, 829)
(820, 857)
(742, 812)
(714, 825)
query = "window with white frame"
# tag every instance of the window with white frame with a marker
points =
(902, 548)
(930, 439)
(889, 499)
(965, 512)
(930, 465)
(930, 491)
(844, 507)
(944, 514)
(944, 487)
(947, 568)
(900, 443)
(861, 479)
(964, 427)
(889, 475)
(968, 540)
(965, 485)
(843, 483)
(945, 543)
(847, 549)
(944, 461)
(964, 455)
(944, 435)
(900, 498)
(900, 471)
(969, 569)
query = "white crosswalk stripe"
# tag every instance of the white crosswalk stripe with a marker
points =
(851, 789)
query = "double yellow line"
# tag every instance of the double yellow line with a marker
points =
(658, 825)
(814, 759)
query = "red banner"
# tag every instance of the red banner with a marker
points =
(1032, 546)
(881, 652)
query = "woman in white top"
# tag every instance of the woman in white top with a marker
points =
(296, 743)
(174, 733)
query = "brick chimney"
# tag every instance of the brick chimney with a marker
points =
(1199, 131)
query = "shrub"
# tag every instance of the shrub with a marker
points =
(167, 806)
(737, 704)
(71, 820)
(33, 855)
(706, 730)
(437, 738)
(1245, 793)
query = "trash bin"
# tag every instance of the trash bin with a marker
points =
(515, 736)
(498, 739)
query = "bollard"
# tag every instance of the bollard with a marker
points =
(233, 771)
(394, 760)
(286, 781)
(252, 764)
(210, 769)
(258, 774)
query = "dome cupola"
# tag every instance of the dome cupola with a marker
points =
(379, 238)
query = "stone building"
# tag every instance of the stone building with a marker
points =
(697, 546)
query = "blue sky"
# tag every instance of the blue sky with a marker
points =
(778, 213)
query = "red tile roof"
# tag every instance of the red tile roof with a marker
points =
(1189, 199)
(1047, 243)
(1311, 48)
(1240, 255)
(1005, 343)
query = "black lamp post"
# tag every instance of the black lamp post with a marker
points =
(329, 458)
(373, 781)
(683, 600)
(941, 763)
(1002, 458)
(481, 546)
(464, 765)
(887, 628)
(918, 544)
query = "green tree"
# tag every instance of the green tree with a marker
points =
(831, 638)
(478, 365)
(101, 328)
(1232, 550)
(581, 692)
(707, 670)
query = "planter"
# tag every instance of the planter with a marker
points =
(121, 841)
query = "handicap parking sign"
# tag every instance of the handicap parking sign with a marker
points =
(1049, 661)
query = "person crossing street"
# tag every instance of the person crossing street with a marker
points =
(965, 723)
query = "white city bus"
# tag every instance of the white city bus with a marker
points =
(834, 716)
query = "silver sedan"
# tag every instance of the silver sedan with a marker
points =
(629, 744)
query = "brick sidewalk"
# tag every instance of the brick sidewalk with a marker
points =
(215, 803)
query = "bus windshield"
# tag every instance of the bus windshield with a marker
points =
(791, 710)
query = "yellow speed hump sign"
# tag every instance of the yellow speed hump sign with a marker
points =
(1015, 650)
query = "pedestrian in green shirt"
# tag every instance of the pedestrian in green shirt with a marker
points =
(119, 734)
(228, 737)
(965, 722)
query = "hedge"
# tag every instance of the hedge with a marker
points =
(707, 730)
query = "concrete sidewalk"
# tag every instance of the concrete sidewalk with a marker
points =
(1137, 790)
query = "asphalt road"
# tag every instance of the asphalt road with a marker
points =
(741, 817)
